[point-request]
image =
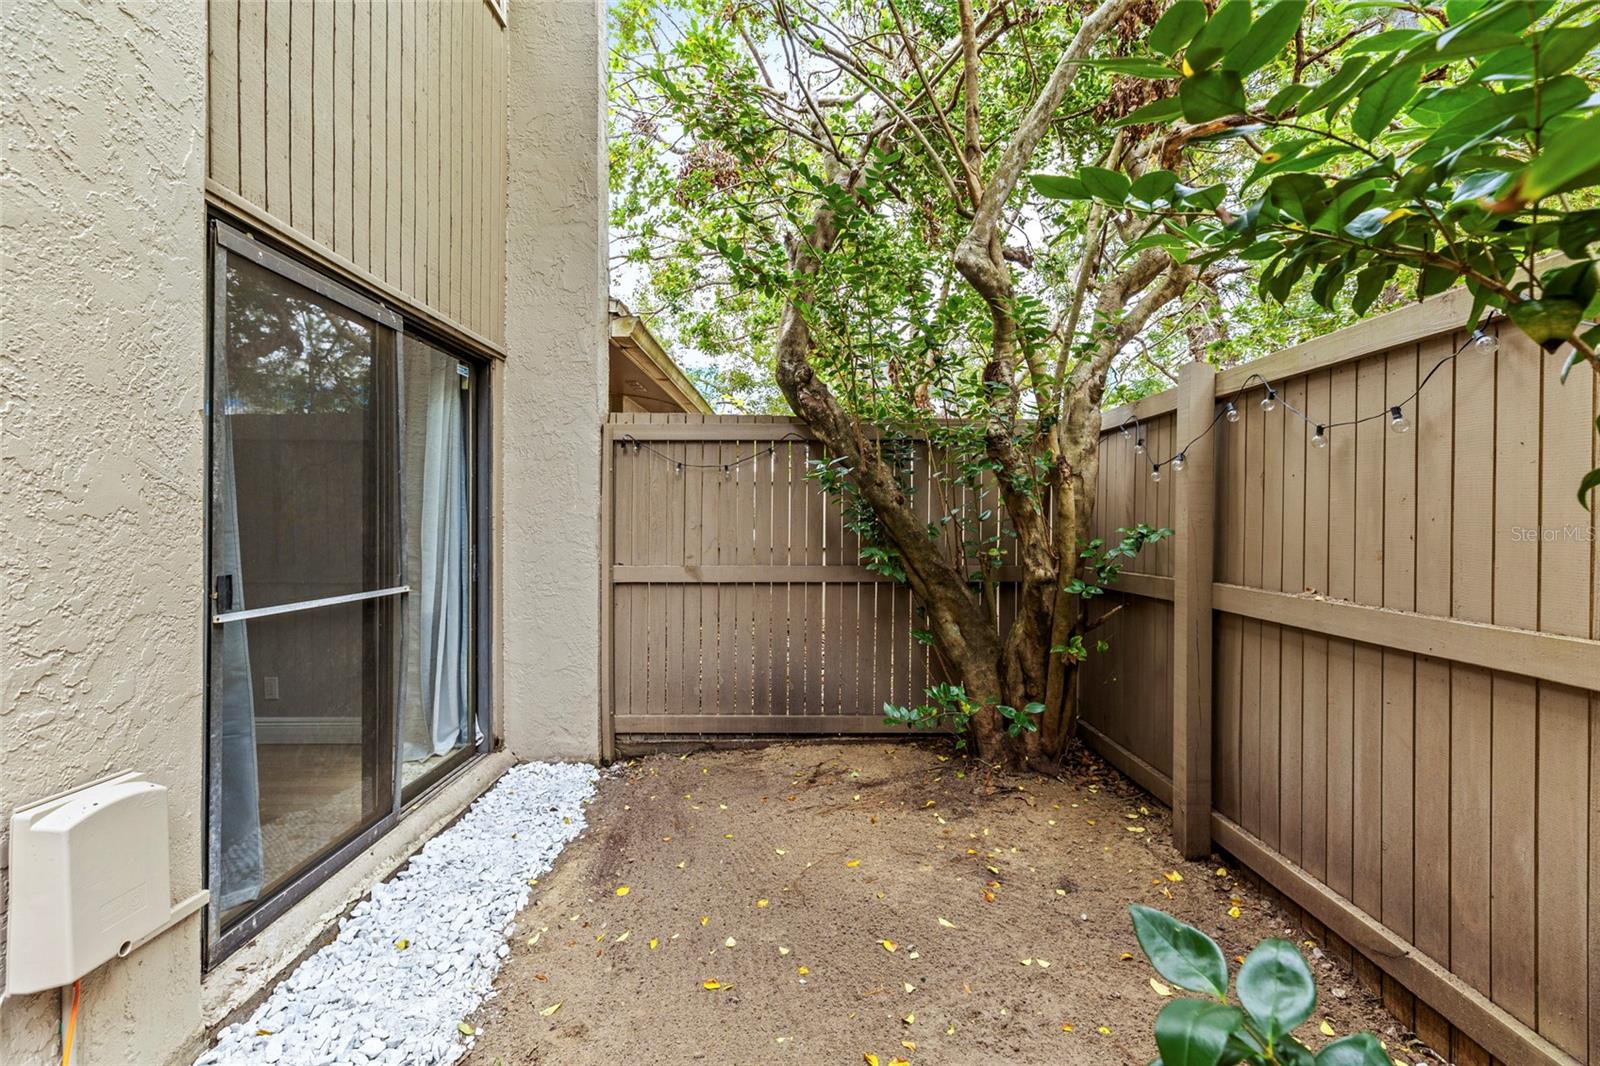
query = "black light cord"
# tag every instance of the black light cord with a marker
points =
(1395, 411)
(629, 440)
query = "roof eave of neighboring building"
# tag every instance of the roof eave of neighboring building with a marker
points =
(630, 331)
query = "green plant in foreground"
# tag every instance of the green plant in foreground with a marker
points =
(1275, 991)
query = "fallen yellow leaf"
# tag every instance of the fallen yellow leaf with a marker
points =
(652, 943)
(1325, 1028)
(910, 1018)
(551, 1009)
(899, 1062)
(623, 890)
(1173, 876)
(402, 944)
(909, 1045)
(947, 923)
(869, 1058)
(782, 950)
(730, 942)
(467, 1030)
(1125, 956)
(1066, 1027)
(1159, 988)
(802, 971)
(711, 984)
(909, 987)
(889, 945)
(761, 903)
(1105, 1030)
(1234, 912)
(853, 863)
(705, 919)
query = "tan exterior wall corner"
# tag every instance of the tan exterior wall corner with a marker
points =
(551, 389)
(102, 458)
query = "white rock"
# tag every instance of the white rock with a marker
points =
(360, 1000)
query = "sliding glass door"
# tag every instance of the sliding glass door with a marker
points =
(341, 585)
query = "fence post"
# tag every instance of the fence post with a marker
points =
(1194, 507)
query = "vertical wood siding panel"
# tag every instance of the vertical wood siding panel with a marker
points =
(424, 181)
(361, 141)
(253, 102)
(1270, 687)
(302, 115)
(392, 147)
(344, 140)
(1314, 732)
(410, 90)
(222, 90)
(324, 133)
(1341, 457)
(378, 169)
(278, 107)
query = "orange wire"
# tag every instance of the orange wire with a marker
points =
(72, 1023)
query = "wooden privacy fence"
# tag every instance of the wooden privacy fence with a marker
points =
(736, 601)
(1370, 671)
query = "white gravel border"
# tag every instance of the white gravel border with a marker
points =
(364, 1001)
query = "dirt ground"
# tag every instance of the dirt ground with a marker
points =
(856, 898)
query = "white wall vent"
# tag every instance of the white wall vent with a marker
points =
(89, 880)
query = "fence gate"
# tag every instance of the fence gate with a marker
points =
(736, 603)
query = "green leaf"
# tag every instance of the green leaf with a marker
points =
(1286, 97)
(1561, 47)
(1178, 26)
(1566, 161)
(1059, 186)
(1154, 185)
(1163, 110)
(1368, 223)
(1276, 987)
(1358, 1049)
(1548, 322)
(1324, 93)
(1225, 26)
(1105, 184)
(1211, 94)
(1590, 482)
(1266, 37)
(1381, 101)
(1180, 952)
(1192, 1032)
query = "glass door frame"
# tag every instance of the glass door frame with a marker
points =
(225, 239)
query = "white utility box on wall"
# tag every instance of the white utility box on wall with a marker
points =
(89, 879)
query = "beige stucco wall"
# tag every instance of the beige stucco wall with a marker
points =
(551, 390)
(102, 463)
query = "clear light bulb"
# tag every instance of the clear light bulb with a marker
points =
(1269, 401)
(679, 470)
(1486, 341)
(1155, 473)
(1126, 432)
(1138, 446)
(1398, 421)
(1232, 413)
(1320, 438)
(1177, 463)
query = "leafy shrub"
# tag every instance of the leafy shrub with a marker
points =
(1275, 991)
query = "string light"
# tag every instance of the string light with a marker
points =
(679, 465)
(1319, 439)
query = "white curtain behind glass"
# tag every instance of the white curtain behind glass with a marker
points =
(239, 879)
(436, 718)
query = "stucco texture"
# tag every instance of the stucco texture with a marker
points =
(102, 371)
(551, 389)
